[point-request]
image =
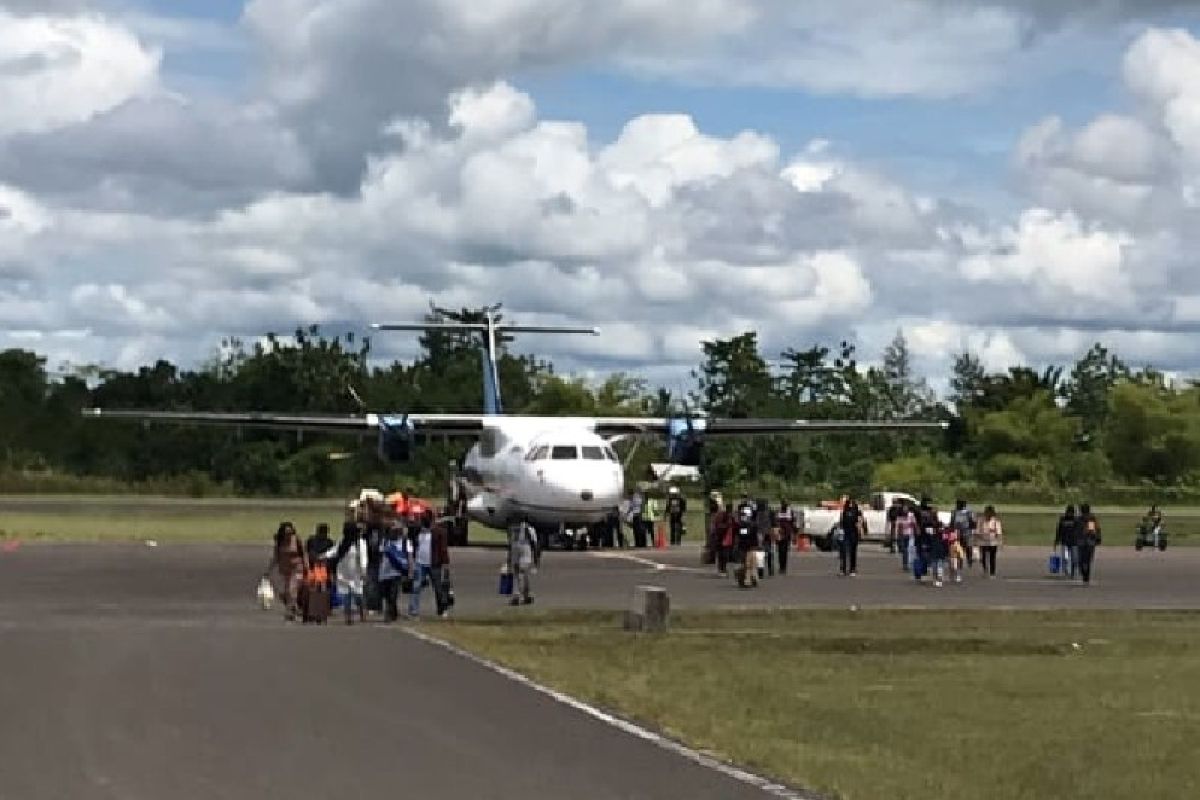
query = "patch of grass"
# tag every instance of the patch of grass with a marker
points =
(929, 705)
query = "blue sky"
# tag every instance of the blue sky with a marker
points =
(264, 174)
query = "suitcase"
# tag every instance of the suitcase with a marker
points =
(919, 567)
(1055, 563)
(317, 604)
(506, 583)
(445, 589)
(707, 556)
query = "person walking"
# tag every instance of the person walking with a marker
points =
(676, 508)
(289, 559)
(522, 541)
(926, 546)
(906, 532)
(351, 557)
(637, 519)
(394, 568)
(964, 523)
(786, 532)
(1088, 537)
(893, 515)
(1067, 542)
(422, 565)
(853, 525)
(723, 531)
(991, 537)
(764, 521)
(746, 547)
(443, 590)
(317, 544)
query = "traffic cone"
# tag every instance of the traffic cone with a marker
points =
(660, 537)
(803, 544)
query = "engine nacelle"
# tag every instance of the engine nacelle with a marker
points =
(396, 439)
(685, 441)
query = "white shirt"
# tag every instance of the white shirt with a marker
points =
(351, 568)
(425, 548)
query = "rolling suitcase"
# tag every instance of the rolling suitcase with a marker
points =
(1055, 564)
(317, 604)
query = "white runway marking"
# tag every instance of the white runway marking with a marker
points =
(625, 726)
(650, 563)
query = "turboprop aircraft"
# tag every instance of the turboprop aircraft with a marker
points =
(556, 471)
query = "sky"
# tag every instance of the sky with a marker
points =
(1017, 178)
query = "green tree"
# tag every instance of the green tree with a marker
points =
(1092, 379)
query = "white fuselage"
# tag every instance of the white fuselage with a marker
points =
(554, 471)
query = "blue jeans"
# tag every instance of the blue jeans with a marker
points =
(902, 542)
(422, 577)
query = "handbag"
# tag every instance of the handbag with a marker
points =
(265, 594)
(1055, 563)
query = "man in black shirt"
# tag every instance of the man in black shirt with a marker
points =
(852, 527)
(676, 508)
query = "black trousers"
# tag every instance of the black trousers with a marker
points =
(390, 589)
(848, 554)
(639, 531)
(781, 553)
(676, 530)
(988, 558)
(1087, 553)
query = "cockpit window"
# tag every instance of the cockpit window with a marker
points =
(609, 454)
(538, 453)
(593, 453)
(564, 452)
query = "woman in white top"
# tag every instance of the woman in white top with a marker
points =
(422, 564)
(351, 557)
(991, 536)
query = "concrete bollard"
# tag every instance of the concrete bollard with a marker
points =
(649, 610)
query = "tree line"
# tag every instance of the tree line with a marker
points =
(1101, 428)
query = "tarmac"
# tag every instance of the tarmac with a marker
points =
(133, 671)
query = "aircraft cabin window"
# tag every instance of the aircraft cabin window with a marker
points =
(592, 453)
(564, 452)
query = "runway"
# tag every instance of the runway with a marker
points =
(144, 672)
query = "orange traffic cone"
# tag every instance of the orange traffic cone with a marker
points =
(660, 537)
(803, 544)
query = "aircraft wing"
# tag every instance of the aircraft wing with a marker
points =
(355, 424)
(676, 426)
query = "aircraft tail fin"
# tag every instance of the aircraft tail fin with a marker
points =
(490, 327)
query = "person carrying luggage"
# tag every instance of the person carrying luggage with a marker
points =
(522, 548)
(764, 521)
(1066, 540)
(288, 557)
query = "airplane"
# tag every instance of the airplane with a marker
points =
(557, 472)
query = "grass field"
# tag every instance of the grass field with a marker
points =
(931, 705)
(136, 518)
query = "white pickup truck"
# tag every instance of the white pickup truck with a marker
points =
(820, 524)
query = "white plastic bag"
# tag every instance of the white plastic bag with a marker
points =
(265, 594)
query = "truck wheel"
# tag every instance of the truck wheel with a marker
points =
(1162, 544)
(1137, 545)
(823, 543)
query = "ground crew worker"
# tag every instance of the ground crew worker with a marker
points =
(653, 514)
(764, 520)
(676, 508)
(724, 532)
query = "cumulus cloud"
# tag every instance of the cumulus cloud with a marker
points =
(56, 71)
